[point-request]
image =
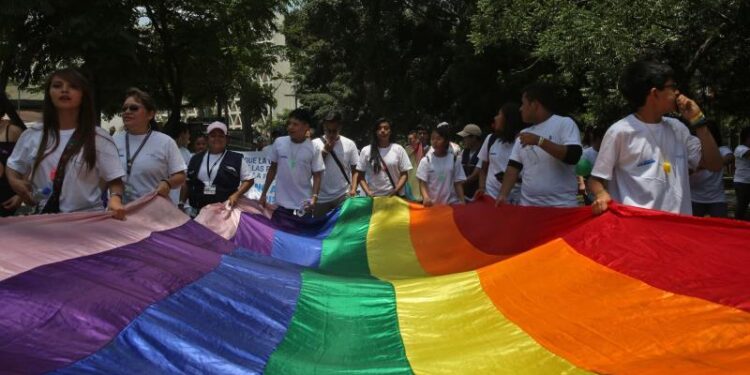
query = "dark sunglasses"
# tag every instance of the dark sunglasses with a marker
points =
(131, 108)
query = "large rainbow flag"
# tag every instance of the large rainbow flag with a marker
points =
(378, 287)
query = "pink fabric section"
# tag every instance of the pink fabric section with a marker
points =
(224, 221)
(23, 248)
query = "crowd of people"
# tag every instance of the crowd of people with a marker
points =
(533, 156)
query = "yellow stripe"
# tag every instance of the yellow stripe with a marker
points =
(390, 253)
(450, 326)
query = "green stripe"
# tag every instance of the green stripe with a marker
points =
(342, 326)
(345, 249)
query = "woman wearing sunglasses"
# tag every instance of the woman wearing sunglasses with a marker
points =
(151, 159)
(57, 166)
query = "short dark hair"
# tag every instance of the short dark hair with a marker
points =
(143, 97)
(332, 116)
(421, 128)
(542, 92)
(302, 114)
(639, 77)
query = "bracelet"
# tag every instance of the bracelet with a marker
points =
(168, 184)
(541, 140)
(315, 195)
(115, 195)
(698, 121)
(697, 117)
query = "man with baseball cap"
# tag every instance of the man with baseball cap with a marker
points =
(217, 174)
(472, 139)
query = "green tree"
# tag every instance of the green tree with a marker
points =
(410, 61)
(585, 45)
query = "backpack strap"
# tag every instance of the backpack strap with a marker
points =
(338, 162)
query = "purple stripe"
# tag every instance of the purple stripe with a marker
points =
(59, 313)
(255, 232)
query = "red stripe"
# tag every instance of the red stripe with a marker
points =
(704, 258)
(508, 230)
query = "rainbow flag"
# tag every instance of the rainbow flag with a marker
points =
(378, 287)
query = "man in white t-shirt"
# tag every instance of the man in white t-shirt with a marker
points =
(644, 158)
(296, 161)
(340, 155)
(547, 152)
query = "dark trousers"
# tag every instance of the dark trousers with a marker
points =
(718, 209)
(743, 199)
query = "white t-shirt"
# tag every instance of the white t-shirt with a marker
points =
(440, 174)
(296, 164)
(158, 159)
(632, 157)
(333, 184)
(742, 165)
(548, 181)
(397, 161)
(707, 186)
(80, 190)
(212, 165)
(499, 155)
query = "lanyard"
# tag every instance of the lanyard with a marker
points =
(210, 170)
(127, 149)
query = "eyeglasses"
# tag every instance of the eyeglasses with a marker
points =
(131, 108)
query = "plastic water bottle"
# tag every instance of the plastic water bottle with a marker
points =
(305, 205)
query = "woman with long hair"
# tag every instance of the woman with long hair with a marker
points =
(58, 166)
(151, 159)
(495, 152)
(385, 164)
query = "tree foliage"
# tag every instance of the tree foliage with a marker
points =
(200, 51)
(587, 43)
(420, 61)
(410, 61)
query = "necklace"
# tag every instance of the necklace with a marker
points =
(293, 151)
(128, 159)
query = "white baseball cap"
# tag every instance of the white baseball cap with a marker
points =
(216, 125)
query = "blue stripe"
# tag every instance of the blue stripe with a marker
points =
(227, 322)
(302, 248)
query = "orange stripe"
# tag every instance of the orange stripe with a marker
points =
(607, 322)
(440, 247)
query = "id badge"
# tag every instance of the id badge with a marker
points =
(209, 190)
